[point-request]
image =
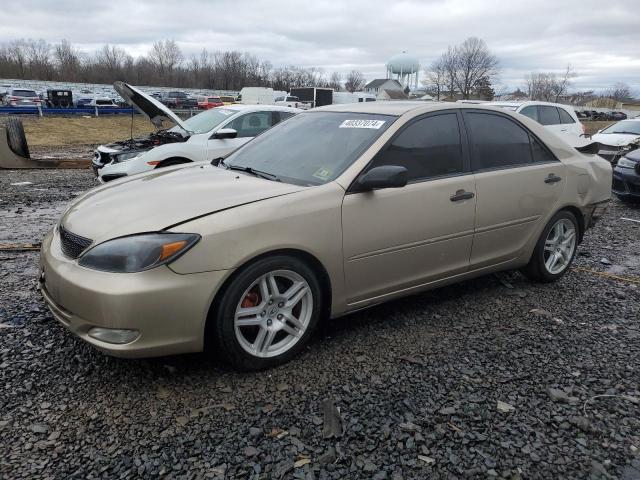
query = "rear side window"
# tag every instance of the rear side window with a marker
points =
(540, 153)
(531, 111)
(429, 147)
(565, 117)
(548, 115)
(496, 141)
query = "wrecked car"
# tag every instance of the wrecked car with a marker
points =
(337, 209)
(618, 139)
(626, 177)
(208, 135)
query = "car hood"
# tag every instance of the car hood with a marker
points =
(615, 139)
(164, 198)
(147, 105)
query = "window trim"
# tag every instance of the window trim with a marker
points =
(521, 125)
(466, 160)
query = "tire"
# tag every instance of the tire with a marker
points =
(16, 137)
(262, 341)
(541, 267)
(172, 161)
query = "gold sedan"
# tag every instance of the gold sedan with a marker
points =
(334, 210)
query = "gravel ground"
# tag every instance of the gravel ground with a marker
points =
(492, 378)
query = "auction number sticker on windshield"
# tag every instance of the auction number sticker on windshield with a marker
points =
(322, 173)
(375, 124)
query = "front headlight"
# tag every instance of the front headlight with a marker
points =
(127, 156)
(137, 253)
(626, 163)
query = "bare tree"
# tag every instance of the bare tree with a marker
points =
(335, 81)
(165, 55)
(67, 59)
(620, 92)
(355, 81)
(474, 62)
(436, 77)
(111, 58)
(547, 86)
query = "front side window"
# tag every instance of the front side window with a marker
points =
(251, 124)
(496, 141)
(548, 115)
(429, 147)
(311, 148)
(565, 117)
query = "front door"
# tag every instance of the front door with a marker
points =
(518, 182)
(395, 239)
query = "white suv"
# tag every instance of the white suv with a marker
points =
(560, 119)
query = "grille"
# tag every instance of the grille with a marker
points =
(73, 245)
(618, 185)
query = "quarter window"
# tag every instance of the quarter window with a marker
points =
(429, 147)
(565, 117)
(540, 153)
(548, 115)
(497, 141)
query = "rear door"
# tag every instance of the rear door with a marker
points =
(570, 124)
(398, 238)
(518, 183)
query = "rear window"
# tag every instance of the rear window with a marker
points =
(548, 115)
(24, 93)
(565, 117)
(214, 99)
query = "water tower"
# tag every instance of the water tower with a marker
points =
(405, 68)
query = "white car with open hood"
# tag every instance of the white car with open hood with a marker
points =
(211, 134)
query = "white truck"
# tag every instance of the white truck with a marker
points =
(256, 96)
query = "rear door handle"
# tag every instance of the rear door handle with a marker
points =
(552, 178)
(461, 195)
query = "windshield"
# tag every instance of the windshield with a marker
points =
(625, 126)
(24, 93)
(206, 121)
(311, 148)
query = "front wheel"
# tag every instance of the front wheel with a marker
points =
(268, 313)
(555, 250)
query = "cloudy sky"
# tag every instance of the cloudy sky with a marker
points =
(599, 39)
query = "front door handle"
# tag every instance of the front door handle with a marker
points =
(461, 195)
(552, 178)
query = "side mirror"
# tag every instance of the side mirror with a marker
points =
(386, 176)
(225, 133)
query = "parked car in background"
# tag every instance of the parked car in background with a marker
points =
(626, 177)
(335, 210)
(617, 116)
(57, 98)
(291, 101)
(205, 103)
(228, 100)
(21, 97)
(208, 135)
(557, 118)
(256, 96)
(83, 98)
(103, 102)
(176, 99)
(618, 139)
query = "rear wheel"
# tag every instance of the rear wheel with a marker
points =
(555, 250)
(16, 137)
(267, 314)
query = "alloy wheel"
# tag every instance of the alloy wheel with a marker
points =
(273, 313)
(559, 246)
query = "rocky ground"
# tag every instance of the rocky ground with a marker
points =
(493, 378)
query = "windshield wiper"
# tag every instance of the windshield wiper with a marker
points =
(251, 171)
(628, 133)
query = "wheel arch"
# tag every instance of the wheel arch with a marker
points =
(311, 260)
(579, 217)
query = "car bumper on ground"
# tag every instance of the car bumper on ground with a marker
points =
(626, 183)
(159, 311)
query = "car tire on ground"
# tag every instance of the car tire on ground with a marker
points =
(16, 137)
(266, 314)
(555, 250)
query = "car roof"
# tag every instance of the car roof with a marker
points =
(528, 102)
(244, 108)
(400, 108)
